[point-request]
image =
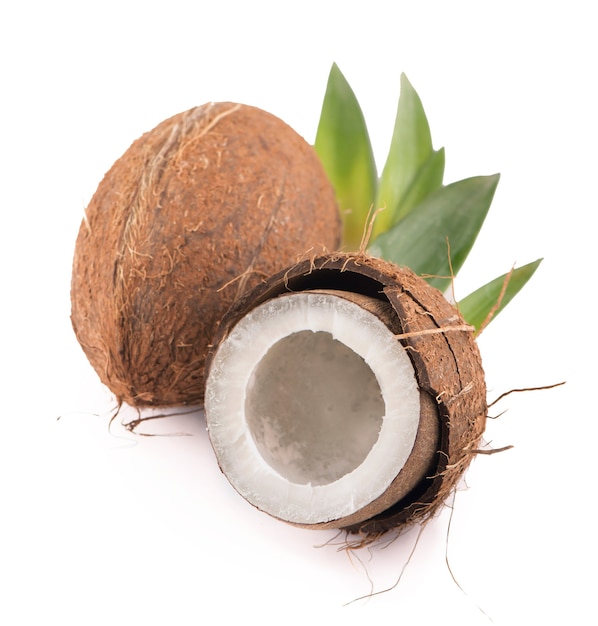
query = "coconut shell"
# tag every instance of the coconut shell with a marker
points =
(195, 213)
(447, 367)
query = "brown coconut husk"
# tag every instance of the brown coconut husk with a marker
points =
(447, 366)
(195, 212)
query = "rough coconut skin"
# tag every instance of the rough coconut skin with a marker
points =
(193, 214)
(447, 366)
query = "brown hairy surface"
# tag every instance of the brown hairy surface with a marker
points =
(196, 212)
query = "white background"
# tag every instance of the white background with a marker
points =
(100, 526)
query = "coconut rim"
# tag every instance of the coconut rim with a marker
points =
(235, 448)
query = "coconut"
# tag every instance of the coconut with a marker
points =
(345, 392)
(195, 212)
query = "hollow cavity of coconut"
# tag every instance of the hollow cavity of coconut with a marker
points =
(195, 212)
(345, 392)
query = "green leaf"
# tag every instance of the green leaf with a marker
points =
(410, 148)
(427, 180)
(449, 218)
(476, 307)
(343, 145)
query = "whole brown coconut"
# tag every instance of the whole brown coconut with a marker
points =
(193, 214)
(449, 416)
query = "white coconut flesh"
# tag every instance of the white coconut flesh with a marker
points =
(312, 407)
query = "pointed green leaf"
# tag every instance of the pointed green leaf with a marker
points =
(449, 218)
(343, 145)
(410, 148)
(476, 307)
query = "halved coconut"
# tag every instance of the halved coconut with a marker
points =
(345, 392)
